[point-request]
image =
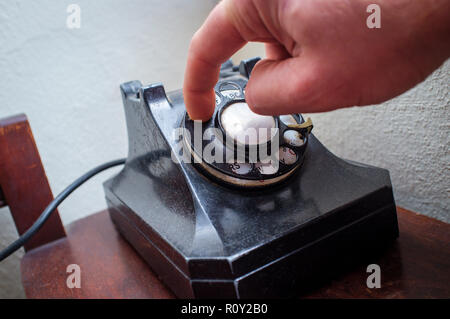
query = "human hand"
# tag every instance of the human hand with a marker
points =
(320, 54)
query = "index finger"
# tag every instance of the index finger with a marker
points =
(213, 44)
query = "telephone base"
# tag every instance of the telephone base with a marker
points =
(207, 240)
(295, 272)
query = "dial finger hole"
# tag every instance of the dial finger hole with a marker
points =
(230, 90)
(293, 138)
(241, 168)
(287, 155)
(231, 94)
(266, 168)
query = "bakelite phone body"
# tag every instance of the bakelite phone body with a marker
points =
(209, 237)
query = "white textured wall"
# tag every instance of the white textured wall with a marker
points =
(408, 135)
(67, 82)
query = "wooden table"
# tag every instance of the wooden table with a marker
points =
(417, 265)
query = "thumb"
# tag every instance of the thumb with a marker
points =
(293, 85)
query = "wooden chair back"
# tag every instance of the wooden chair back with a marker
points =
(23, 183)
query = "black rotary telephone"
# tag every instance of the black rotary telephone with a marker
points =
(268, 220)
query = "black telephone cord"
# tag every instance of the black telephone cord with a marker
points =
(16, 245)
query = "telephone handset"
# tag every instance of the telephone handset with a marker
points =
(200, 208)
